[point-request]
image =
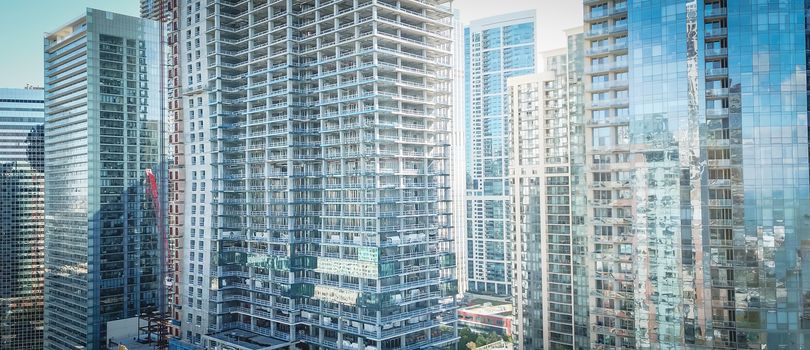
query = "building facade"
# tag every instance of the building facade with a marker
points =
(496, 48)
(193, 183)
(22, 227)
(697, 163)
(167, 12)
(547, 150)
(316, 158)
(104, 136)
(458, 155)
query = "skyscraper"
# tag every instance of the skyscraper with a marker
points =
(155, 9)
(22, 227)
(547, 151)
(496, 49)
(697, 151)
(104, 134)
(318, 205)
(458, 156)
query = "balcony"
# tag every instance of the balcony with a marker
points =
(712, 11)
(716, 52)
(716, 72)
(444, 21)
(594, 15)
(717, 93)
(607, 85)
(716, 32)
(606, 67)
(603, 31)
(604, 49)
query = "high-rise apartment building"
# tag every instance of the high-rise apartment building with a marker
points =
(104, 136)
(697, 158)
(155, 9)
(22, 227)
(496, 48)
(458, 155)
(192, 186)
(547, 150)
(317, 205)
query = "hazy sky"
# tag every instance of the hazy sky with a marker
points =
(553, 16)
(23, 23)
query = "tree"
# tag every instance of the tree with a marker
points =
(467, 336)
(489, 338)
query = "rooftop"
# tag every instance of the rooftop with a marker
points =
(489, 309)
(249, 340)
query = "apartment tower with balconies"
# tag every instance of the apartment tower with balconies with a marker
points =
(318, 203)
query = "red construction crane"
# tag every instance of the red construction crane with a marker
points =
(164, 268)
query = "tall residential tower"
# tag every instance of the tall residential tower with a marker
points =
(496, 49)
(104, 135)
(318, 204)
(22, 219)
(547, 152)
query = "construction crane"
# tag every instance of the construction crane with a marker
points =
(158, 320)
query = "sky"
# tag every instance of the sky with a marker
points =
(553, 16)
(24, 23)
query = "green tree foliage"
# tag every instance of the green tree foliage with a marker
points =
(467, 337)
(489, 338)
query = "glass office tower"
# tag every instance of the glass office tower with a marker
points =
(103, 132)
(22, 220)
(316, 161)
(697, 152)
(497, 48)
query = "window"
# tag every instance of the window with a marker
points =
(602, 137)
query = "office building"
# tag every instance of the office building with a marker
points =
(317, 203)
(103, 137)
(22, 227)
(496, 48)
(697, 158)
(547, 150)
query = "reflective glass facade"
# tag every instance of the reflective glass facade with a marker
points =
(698, 169)
(497, 48)
(103, 131)
(22, 228)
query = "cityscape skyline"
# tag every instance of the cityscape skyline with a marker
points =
(400, 175)
(27, 20)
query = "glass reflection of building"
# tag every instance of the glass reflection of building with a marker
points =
(103, 131)
(497, 48)
(697, 158)
(22, 229)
